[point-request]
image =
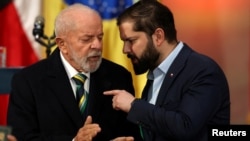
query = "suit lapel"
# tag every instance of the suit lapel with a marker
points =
(98, 84)
(172, 73)
(59, 82)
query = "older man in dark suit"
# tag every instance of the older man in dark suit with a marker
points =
(43, 101)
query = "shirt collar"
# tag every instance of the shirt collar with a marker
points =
(166, 63)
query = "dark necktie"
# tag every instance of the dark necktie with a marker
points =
(81, 93)
(146, 89)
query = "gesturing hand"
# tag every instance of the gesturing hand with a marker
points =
(88, 131)
(11, 138)
(121, 99)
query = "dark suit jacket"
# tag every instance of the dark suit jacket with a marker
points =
(42, 105)
(193, 95)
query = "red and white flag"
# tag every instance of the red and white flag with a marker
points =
(17, 22)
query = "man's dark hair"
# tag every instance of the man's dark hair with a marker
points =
(147, 16)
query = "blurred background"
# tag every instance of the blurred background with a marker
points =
(217, 28)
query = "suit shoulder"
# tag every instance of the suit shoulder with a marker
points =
(35, 68)
(203, 60)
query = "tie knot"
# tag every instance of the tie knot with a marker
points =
(79, 78)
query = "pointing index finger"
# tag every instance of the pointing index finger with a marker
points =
(111, 92)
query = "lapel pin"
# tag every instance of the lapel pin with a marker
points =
(171, 74)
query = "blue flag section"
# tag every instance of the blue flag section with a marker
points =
(108, 9)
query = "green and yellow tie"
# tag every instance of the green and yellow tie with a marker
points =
(81, 93)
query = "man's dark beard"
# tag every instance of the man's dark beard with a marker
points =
(147, 60)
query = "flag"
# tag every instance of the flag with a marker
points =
(112, 44)
(17, 19)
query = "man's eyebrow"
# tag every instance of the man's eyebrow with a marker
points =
(130, 38)
(91, 35)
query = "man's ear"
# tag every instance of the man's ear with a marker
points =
(61, 44)
(159, 36)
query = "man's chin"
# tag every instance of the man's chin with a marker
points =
(94, 65)
(139, 70)
(134, 61)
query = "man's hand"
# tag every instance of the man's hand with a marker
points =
(11, 138)
(88, 131)
(123, 139)
(121, 99)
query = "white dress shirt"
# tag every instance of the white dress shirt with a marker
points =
(160, 72)
(72, 72)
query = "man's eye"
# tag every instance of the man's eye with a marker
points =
(131, 41)
(86, 39)
(100, 38)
